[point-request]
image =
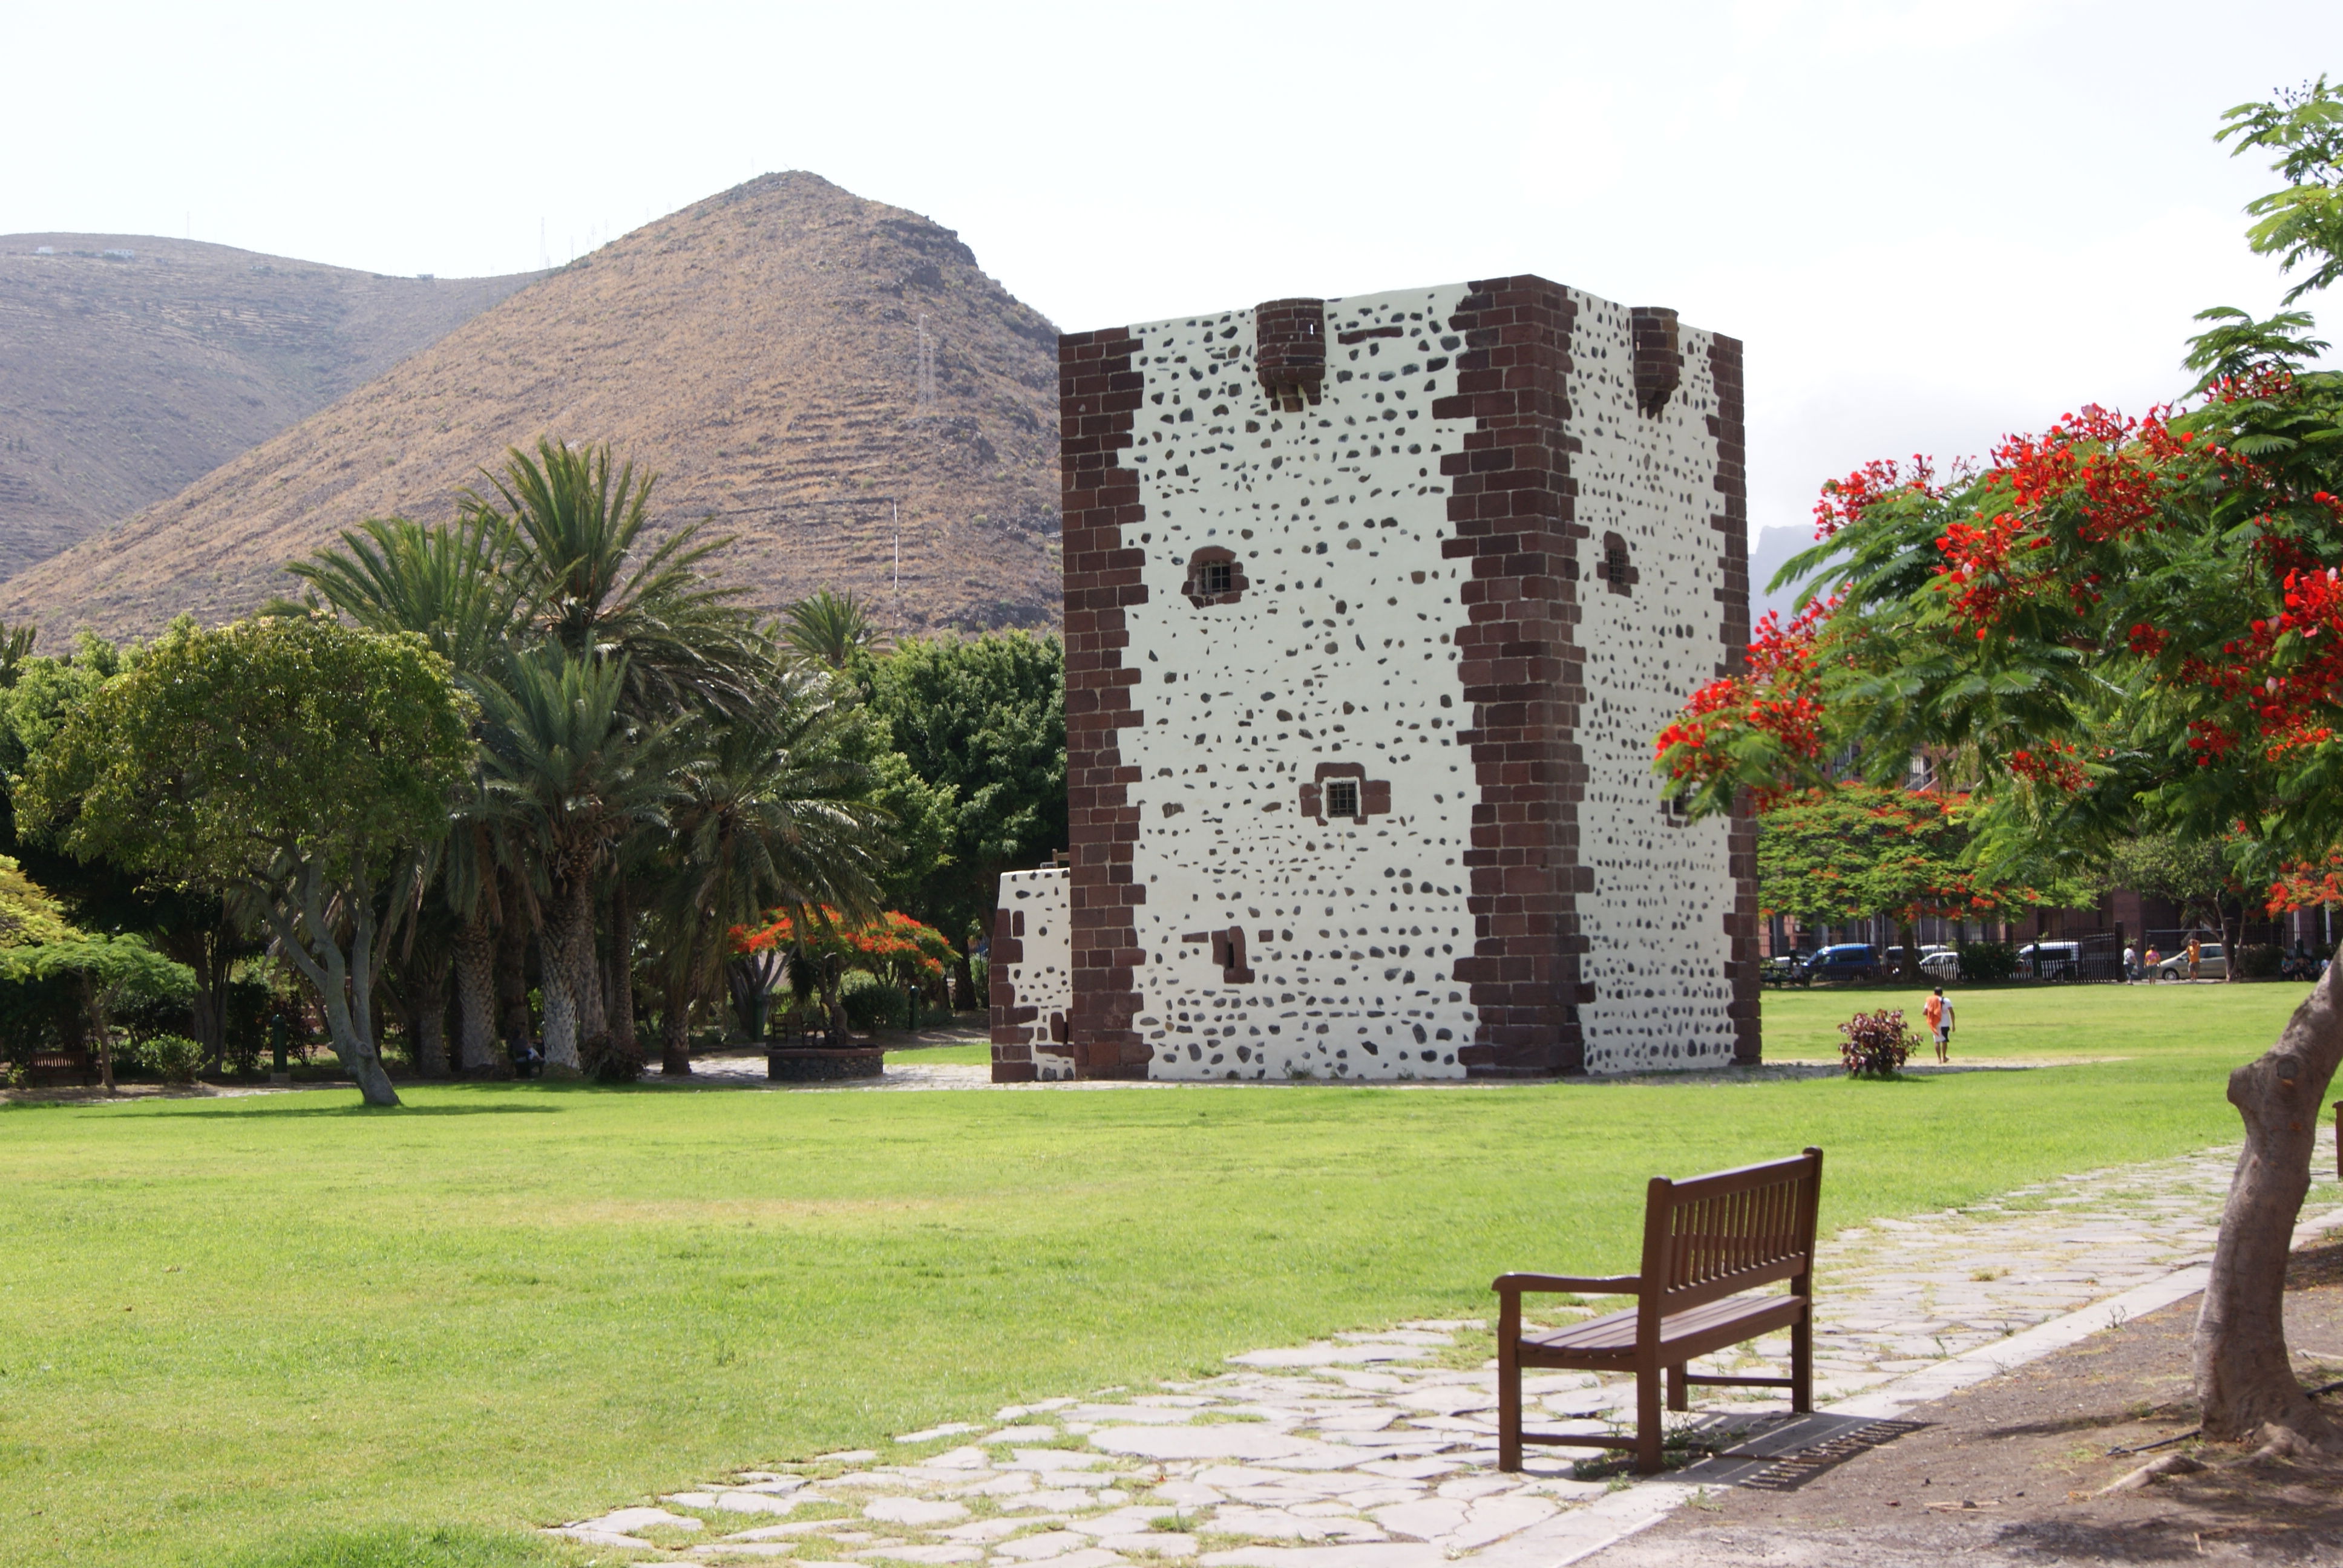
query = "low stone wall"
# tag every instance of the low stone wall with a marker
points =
(823, 1065)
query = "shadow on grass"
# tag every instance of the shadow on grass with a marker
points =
(397, 1546)
(214, 1108)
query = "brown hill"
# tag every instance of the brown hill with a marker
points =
(131, 366)
(762, 351)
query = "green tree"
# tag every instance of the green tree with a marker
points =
(289, 758)
(780, 816)
(575, 773)
(458, 586)
(593, 582)
(832, 630)
(2302, 222)
(985, 718)
(2129, 625)
(1847, 849)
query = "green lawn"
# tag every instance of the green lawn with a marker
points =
(222, 1321)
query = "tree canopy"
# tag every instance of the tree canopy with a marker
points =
(291, 758)
(2121, 624)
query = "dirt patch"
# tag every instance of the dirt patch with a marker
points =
(2007, 1472)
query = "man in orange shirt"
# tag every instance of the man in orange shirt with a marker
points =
(1938, 1012)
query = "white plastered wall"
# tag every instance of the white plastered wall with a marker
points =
(1340, 650)
(1657, 941)
(1042, 977)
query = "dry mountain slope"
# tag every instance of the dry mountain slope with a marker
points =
(762, 351)
(124, 377)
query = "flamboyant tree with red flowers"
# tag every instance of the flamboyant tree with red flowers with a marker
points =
(2119, 624)
(1850, 849)
(822, 945)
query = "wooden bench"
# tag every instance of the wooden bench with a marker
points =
(1706, 1241)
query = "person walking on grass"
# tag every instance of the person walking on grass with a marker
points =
(1938, 1011)
(2131, 963)
(2196, 952)
(2154, 959)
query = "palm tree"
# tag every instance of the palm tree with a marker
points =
(574, 772)
(454, 585)
(778, 816)
(830, 628)
(594, 586)
(451, 584)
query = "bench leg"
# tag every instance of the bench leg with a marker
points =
(1649, 1428)
(1679, 1391)
(1508, 1385)
(1801, 1361)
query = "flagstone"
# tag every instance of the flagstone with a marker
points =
(921, 1554)
(994, 1529)
(950, 1429)
(919, 1512)
(1151, 1543)
(627, 1520)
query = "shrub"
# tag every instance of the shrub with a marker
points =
(1988, 962)
(871, 1002)
(173, 1057)
(1876, 1044)
(2259, 960)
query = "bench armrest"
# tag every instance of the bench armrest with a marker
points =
(1573, 1284)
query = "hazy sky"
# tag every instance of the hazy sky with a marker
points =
(1931, 222)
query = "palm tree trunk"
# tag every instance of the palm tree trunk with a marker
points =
(512, 982)
(553, 976)
(584, 972)
(622, 967)
(426, 1016)
(476, 1000)
(675, 1024)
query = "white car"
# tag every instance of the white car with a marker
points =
(1941, 964)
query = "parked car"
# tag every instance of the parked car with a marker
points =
(1845, 961)
(2212, 963)
(2051, 960)
(1941, 965)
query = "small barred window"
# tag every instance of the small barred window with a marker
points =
(1342, 798)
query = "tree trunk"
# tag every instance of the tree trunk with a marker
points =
(1909, 940)
(426, 1018)
(476, 1000)
(512, 983)
(584, 975)
(675, 1023)
(622, 968)
(2245, 1378)
(560, 1004)
(963, 982)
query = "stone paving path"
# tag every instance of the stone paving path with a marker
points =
(1377, 1450)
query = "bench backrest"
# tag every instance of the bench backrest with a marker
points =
(1713, 1236)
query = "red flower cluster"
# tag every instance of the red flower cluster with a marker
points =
(1778, 695)
(893, 939)
(1843, 500)
(2057, 765)
(2308, 885)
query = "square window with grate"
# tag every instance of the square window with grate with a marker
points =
(1341, 797)
(1212, 578)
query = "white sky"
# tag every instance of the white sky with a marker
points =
(1932, 222)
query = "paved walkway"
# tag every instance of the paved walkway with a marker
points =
(1378, 1450)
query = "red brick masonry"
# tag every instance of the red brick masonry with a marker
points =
(1098, 405)
(1511, 504)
